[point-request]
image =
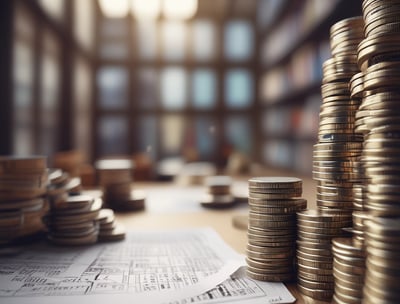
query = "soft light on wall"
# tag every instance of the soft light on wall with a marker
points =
(114, 8)
(146, 9)
(179, 9)
(149, 9)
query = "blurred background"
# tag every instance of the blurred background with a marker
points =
(200, 80)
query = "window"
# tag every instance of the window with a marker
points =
(179, 90)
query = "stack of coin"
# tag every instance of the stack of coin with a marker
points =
(315, 230)
(71, 221)
(377, 118)
(23, 185)
(115, 178)
(61, 185)
(271, 248)
(348, 270)
(339, 147)
(382, 238)
(109, 230)
(218, 192)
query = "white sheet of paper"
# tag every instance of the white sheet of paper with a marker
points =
(241, 288)
(148, 267)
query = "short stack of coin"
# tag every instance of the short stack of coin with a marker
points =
(109, 230)
(77, 219)
(382, 238)
(218, 192)
(271, 248)
(348, 270)
(71, 221)
(115, 178)
(315, 230)
(61, 185)
(23, 184)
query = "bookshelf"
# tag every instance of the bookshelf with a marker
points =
(294, 42)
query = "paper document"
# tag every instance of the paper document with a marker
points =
(148, 267)
(241, 289)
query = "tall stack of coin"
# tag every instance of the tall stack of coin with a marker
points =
(23, 185)
(316, 229)
(378, 119)
(115, 178)
(348, 270)
(218, 192)
(382, 238)
(335, 162)
(336, 153)
(271, 248)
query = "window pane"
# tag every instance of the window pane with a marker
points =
(204, 89)
(84, 22)
(173, 40)
(113, 87)
(172, 128)
(147, 39)
(204, 40)
(23, 143)
(147, 88)
(23, 92)
(205, 137)
(114, 49)
(50, 95)
(173, 88)
(114, 28)
(82, 106)
(55, 8)
(239, 88)
(113, 135)
(147, 135)
(238, 40)
(238, 133)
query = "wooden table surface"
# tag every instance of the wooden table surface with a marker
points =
(170, 205)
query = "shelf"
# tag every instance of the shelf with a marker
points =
(318, 31)
(296, 96)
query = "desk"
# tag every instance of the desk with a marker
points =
(174, 206)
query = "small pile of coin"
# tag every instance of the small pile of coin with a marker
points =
(61, 185)
(218, 192)
(72, 221)
(115, 178)
(315, 231)
(23, 185)
(382, 238)
(109, 230)
(348, 270)
(77, 219)
(271, 248)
